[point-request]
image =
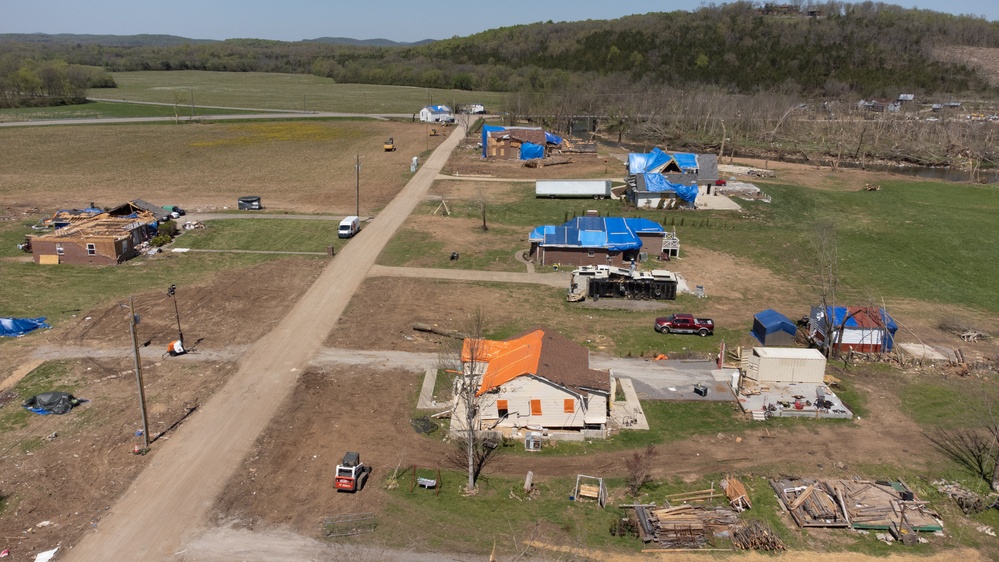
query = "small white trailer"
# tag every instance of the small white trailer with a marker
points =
(597, 189)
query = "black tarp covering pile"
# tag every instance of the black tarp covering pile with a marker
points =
(52, 403)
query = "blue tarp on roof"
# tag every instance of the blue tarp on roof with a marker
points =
(639, 163)
(439, 109)
(612, 233)
(657, 183)
(686, 160)
(14, 327)
(769, 322)
(839, 312)
(530, 151)
(552, 138)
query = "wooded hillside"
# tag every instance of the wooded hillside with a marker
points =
(859, 50)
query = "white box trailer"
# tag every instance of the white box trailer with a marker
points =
(786, 365)
(597, 189)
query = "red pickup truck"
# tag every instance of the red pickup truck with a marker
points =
(685, 324)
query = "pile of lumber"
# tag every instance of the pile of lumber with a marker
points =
(695, 496)
(736, 493)
(757, 536)
(685, 526)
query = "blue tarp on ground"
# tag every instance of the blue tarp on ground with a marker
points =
(657, 183)
(772, 322)
(552, 138)
(14, 327)
(639, 163)
(529, 151)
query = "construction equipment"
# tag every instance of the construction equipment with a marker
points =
(434, 133)
(351, 473)
(389, 145)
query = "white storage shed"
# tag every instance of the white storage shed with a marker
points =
(785, 365)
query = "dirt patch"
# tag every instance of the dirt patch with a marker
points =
(288, 478)
(69, 469)
(229, 309)
(467, 161)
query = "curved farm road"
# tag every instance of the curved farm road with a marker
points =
(172, 497)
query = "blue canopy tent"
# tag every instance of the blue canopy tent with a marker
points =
(771, 328)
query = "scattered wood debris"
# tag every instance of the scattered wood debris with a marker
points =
(684, 526)
(969, 502)
(550, 161)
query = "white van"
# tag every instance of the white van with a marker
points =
(349, 227)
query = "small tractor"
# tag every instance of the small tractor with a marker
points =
(389, 145)
(351, 473)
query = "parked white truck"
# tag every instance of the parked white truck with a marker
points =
(597, 189)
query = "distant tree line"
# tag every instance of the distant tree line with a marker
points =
(862, 49)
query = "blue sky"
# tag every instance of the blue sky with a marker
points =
(292, 20)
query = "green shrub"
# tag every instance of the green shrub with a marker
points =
(161, 240)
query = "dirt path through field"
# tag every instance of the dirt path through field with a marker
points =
(171, 498)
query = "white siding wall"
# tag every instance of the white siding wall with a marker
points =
(519, 392)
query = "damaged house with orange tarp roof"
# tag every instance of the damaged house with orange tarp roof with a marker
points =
(538, 381)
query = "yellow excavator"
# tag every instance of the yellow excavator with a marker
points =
(389, 145)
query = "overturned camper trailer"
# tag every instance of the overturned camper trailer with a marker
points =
(605, 281)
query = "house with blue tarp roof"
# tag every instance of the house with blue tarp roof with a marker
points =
(865, 329)
(521, 143)
(596, 241)
(663, 179)
(436, 114)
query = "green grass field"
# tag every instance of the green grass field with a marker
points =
(275, 235)
(57, 292)
(107, 110)
(286, 92)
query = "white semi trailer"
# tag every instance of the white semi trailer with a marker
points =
(597, 189)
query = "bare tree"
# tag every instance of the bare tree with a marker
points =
(975, 448)
(826, 250)
(482, 203)
(465, 358)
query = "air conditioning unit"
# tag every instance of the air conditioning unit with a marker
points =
(643, 256)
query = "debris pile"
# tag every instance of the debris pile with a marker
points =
(859, 504)
(757, 536)
(969, 502)
(684, 526)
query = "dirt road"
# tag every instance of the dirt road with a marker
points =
(170, 500)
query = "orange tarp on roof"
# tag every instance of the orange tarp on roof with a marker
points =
(506, 360)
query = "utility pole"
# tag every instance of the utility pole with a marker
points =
(357, 186)
(172, 292)
(192, 103)
(133, 320)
